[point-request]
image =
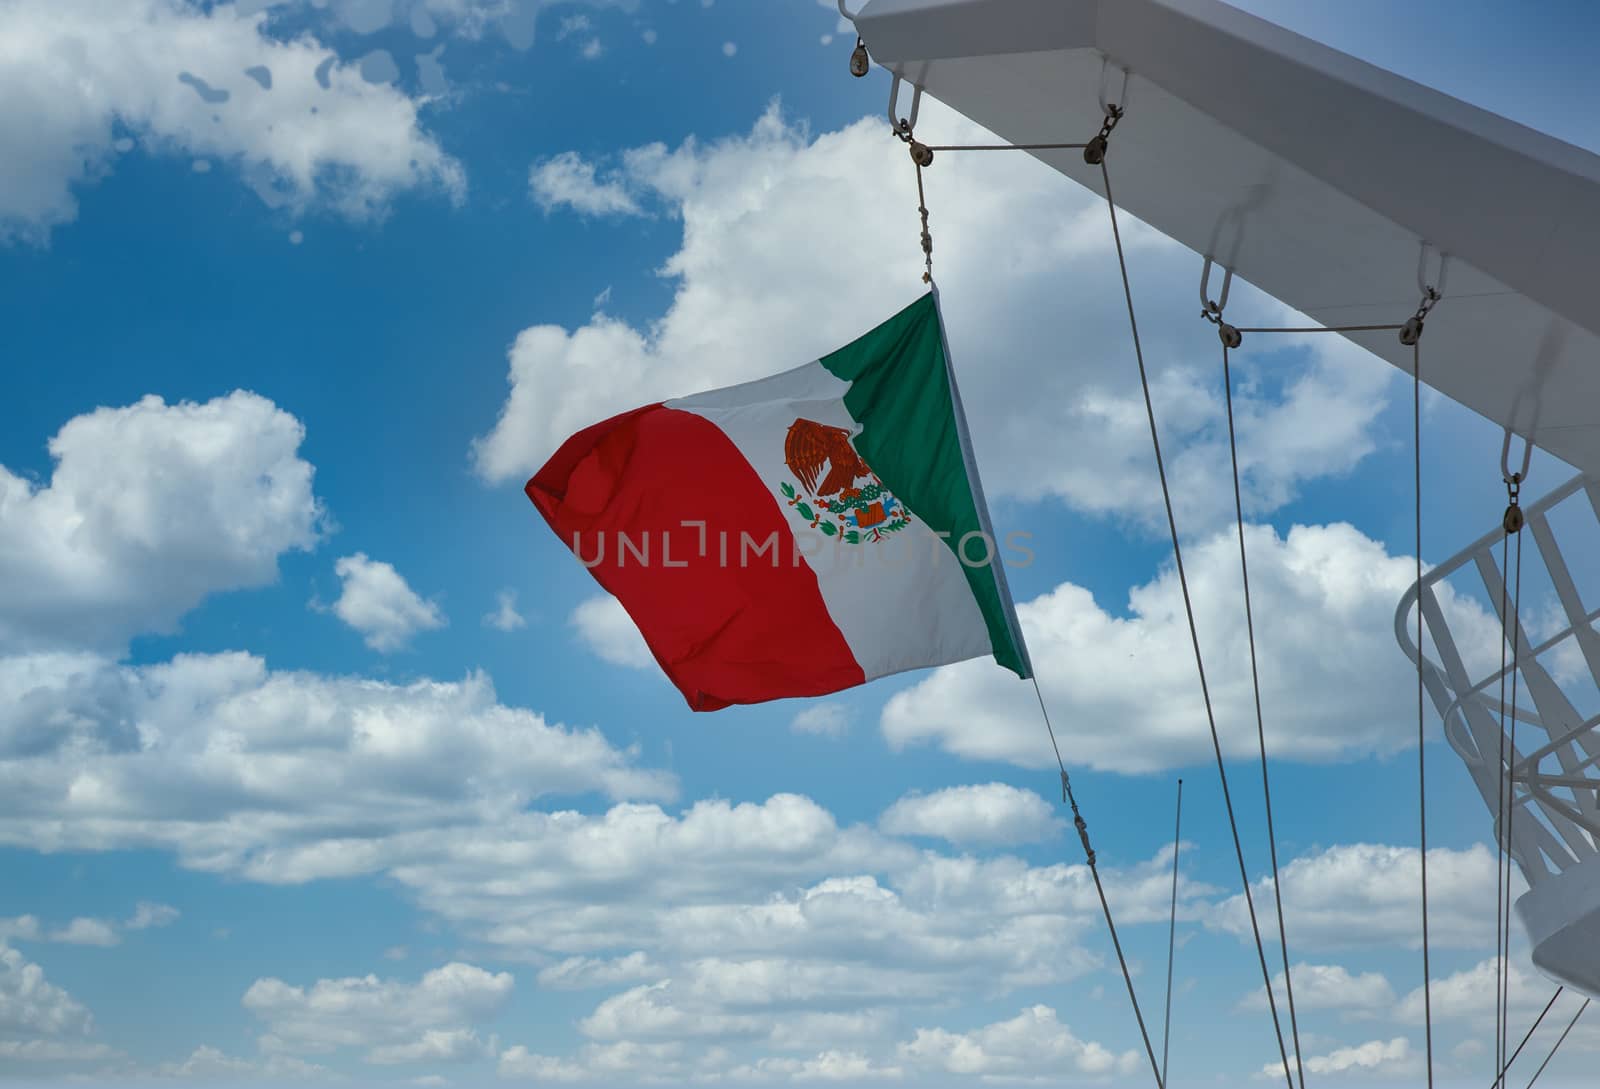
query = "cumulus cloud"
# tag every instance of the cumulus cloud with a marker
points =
(831, 1065)
(1366, 894)
(1122, 687)
(1329, 987)
(1379, 1058)
(624, 1059)
(1034, 1043)
(391, 1021)
(505, 616)
(85, 930)
(277, 776)
(1030, 1046)
(569, 181)
(605, 627)
(1469, 995)
(150, 508)
(581, 973)
(822, 720)
(756, 294)
(991, 813)
(147, 915)
(209, 1064)
(177, 77)
(376, 601)
(38, 1020)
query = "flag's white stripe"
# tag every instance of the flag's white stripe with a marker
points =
(901, 602)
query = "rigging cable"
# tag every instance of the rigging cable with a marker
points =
(1183, 582)
(1559, 1042)
(1413, 332)
(1261, 730)
(1512, 523)
(1172, 931)
(1500, 951)
(1537, 1021)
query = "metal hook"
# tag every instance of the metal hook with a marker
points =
(1423, 288)
(1122, 99)
(845, 13)
(1206, 305)
(1505, 460)
(903, 126)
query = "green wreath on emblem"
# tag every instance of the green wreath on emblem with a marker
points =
(847, 511)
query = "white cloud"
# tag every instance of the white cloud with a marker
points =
(38, 1019)
(831, 1065)
(393, 1022)
(579, 973)
(174, 75)
(24, 927)
(1329, 987)
(150, 508)
(276, 776)
(624, 1059)
(605, 628)
(1034, 1043)
(63, 1051)
(990, 814)
(147, 915)
(85, 931)
(376, 601)
(505, 616)
(1378, 1058)
(1470, 995)
(567, 181)
(822, 720)
(1123, 691)
(573, 24)
(1365, 894)
(209, 1064)
(756, 294)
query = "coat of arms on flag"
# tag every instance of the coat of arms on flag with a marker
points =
(834, 504)
(734, 525)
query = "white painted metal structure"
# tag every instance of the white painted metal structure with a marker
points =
(1328, 182)
(1555, 825)
(1313, 175)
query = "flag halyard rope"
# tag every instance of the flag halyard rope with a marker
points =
(1094, 871)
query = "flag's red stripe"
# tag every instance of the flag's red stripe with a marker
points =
(725, 631)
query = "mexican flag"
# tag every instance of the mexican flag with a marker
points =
(799, 534)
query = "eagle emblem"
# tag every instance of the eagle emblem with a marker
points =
(827, 467)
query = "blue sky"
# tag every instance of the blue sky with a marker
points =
(320, 758)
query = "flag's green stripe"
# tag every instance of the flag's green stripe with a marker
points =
(900, 396)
